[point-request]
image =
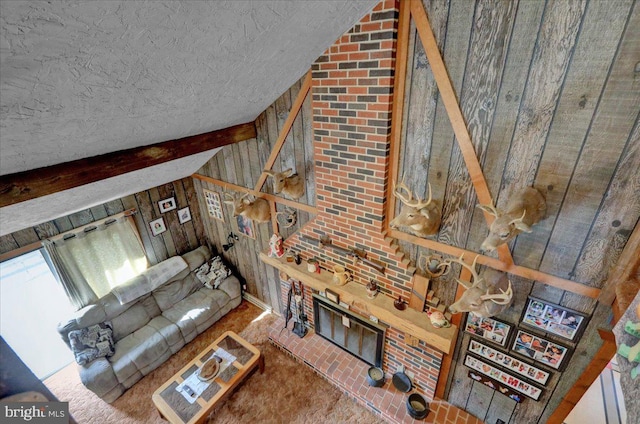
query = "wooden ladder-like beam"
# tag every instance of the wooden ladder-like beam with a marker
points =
(286, 128)
(450, 101)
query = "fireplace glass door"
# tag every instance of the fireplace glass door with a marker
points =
(357, 336)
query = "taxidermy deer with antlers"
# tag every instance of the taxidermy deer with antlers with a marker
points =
(257, 210)
(485, 296)
(421, 217)
(524, 209)
(288, 183)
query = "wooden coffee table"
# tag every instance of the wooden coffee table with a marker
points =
(174, 407)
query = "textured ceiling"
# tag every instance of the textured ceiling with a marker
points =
(84, 78)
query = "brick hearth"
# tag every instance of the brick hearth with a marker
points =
(348, 373)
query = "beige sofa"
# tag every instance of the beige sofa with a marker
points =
(145, 332)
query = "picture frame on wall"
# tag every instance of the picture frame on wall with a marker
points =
(490, 329)
(516, 383)
(167, 204)
(184, 215)
(552, 318)
(511, 363)
(493, 384)
(157, 226)
(539, 349)
(245, 226)
(214, 204)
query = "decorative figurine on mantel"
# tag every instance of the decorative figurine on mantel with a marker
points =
(276, 245)
(437, 318)
(399, 304)
(372, 289)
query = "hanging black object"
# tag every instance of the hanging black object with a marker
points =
(299, 327)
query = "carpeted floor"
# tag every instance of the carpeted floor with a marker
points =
(287, 392)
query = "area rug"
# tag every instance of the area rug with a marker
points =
(287, 392)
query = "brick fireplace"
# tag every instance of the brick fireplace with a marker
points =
(352, 92)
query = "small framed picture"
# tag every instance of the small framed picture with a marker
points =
(245, 226)
(184, 215)
(488, 328)
(214, 205)
(157, 226)
(509, 362)
(167, 205)
(551, 318)
(502, 377)
(332, 296)
(539, 349)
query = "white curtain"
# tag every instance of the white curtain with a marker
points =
(93, 261)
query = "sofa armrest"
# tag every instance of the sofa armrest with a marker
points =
(98, 376)
(231, 286)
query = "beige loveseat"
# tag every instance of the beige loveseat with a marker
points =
(138, 336)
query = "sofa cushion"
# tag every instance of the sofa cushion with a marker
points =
(137, 353)
(169, 331)
(150, 279)
(197, 257)
(129, 321)
(172, 293)
(92, 342)
(192, 313)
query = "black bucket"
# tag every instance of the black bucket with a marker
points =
(375, 377)
(417, 406)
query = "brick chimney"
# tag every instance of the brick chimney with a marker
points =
(352, 102)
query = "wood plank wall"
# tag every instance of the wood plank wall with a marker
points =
(242, 164)
(178, 239)
(550, 96)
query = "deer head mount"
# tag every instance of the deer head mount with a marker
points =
(524, 209)
(421, 217)
(287, 183)
(485, 296)
(257, 210)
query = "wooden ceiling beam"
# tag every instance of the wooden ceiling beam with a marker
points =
(27, 185)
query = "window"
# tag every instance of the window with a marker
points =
(93, 260)
(32, 303)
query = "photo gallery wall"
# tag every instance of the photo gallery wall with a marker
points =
(519, 359)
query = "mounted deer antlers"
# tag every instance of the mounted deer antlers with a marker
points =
(524, 209)
(487, 295)
(422, 217)
(257, 210)
(287, 183)
(290, 216)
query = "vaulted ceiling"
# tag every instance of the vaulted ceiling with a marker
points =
(80, 79)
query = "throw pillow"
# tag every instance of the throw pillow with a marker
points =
(92, 342)
(212, 273)
(201, 273)
(218, 271)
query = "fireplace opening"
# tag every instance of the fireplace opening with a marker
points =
(361, 338)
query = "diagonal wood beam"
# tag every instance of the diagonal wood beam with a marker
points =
(450, 101)
(27, 185)
(590, 374)
(397, 111)
(293, 113)
(628, 262)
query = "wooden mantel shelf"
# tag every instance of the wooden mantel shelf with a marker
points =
(409, 321)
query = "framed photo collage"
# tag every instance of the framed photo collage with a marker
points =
(519, 361)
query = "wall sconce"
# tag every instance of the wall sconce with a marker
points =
(230, 241)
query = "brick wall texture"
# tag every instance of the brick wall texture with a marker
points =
(352, 99)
